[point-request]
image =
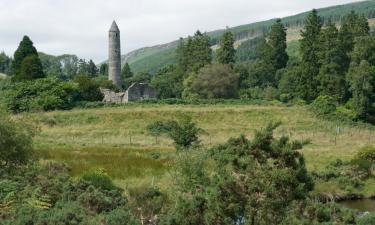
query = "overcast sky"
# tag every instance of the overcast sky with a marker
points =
(81, 26)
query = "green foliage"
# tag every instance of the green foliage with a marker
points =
(212, 81)
(324, 105)
(362, 82)
(183, 132)
(16, 142)
(100, 179)
(248, 50)
(365, 160)
(194, 53)
(120, 217)
(168, 82)
(103, 70)
(88, 89)
(47, 195)
(138, 78)
(126, 72)
(331, 76)
(248, 182)
(226, 52)
(31, 68)
(92, 70)
(277, 43)
(26, 64)
(42, 94)
(5, 63)
(307, 86)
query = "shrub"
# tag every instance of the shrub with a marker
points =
(71, 213)
(40, 94)
(365, 160)
(99, 179)
(214, 81)
(368, 219)
(108, 84)
(183, 132)
(15, 141)
(285, 98)
(323, 105)
(120, 217)
(88, 89)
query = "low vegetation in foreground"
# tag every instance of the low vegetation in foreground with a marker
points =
(262, 179)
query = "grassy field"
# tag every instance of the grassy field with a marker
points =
(116, 138)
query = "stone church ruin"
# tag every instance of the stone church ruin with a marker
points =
(136, 91)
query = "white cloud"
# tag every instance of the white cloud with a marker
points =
(80, 26)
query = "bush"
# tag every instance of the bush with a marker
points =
(99, 179)
(368, 219)
(184, 132)
(213, 81)
(41, 94)
(15, 142)
(323, 105)
(365, 160)
(88, 89)
(120, 217)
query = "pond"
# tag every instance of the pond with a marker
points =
(362, 205)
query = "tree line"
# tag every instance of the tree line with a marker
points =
(335, 61)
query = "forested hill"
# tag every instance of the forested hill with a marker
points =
(150, 59)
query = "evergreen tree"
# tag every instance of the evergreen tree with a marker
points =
(126, 72)
(31, 68)
(277, 42)
(307, 87)
(362, 85)
(181, 53)
(352, 27)
(82, 67)
(24, 50)
(5, 63)
(103, 70)
(331, 76)
(201, 52)
(194, 53)
(92, 70)
(226, 52)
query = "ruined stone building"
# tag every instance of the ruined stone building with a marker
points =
(136, 92)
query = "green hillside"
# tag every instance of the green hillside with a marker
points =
(152, 58)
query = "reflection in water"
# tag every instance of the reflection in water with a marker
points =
(362, 205)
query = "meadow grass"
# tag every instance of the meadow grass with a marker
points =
(116, 138)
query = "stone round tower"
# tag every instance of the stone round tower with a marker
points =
(114, 55)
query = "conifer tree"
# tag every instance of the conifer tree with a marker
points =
(277, 42)
(82, 67)
(331, 75)
(25, 50)
(194, 53)
(352, 27)
(92, 70)
(103, 70)
(307, 86)
(126, 72)
(5, 63)
(362, 85)
(226, 51)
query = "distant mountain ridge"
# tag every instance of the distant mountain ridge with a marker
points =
(150, 59)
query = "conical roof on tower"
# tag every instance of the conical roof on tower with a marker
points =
(114, 27)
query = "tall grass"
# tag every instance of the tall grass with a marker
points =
(116, 139)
